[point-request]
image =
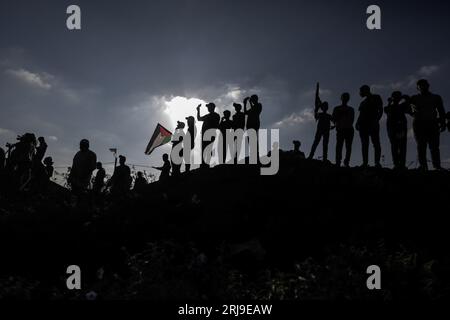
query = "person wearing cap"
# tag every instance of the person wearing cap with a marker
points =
(210, 121)
(84, 163)
(429, 120)
(225, 125)
(176, 168)
(238, 124)
(192, 131)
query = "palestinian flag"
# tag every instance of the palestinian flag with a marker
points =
(160, 136)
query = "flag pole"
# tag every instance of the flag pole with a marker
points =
(114, 152)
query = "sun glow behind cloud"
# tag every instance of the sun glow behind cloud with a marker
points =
(178, 108)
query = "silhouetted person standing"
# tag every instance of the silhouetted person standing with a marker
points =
(238, 117)
(84, 163)
(323, 126)
(225, 125)
(176, 168)
(48, 162)
(2, 160)
(343, 117)
(192, 131)
(397, 127)
(253, 114)
(225, 122)
(99, 181)
(368, 124)
(238, 124)
(165, 168)
(41, 149)
(210, 121)
(139, 183)
(121, 179)
(429, 119)
(297, 152)
(38, 167)
(448, 121)
(253, 117)
(21, 160)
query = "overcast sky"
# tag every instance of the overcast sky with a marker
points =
(137, 63)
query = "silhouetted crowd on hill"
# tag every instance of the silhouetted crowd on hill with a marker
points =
(26, 168)
(248, 118)
(25, 164)
(426, 109)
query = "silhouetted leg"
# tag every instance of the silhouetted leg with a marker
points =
(349, 134)
(326, 139)
(402, 150)
(222, 151)
(433, 142)
(340, 137)
(315, 144)
(204, 163)
(421, 146)
(176, 169)
(394, 148)
(364, 135)
(392, 142)
(187, 166)
(375, 137)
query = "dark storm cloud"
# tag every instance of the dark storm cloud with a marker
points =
(109, 81)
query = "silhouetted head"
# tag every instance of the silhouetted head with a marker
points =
(227, 114)
(99, 165)
(48, 161)
(396, 96)
(324, 106)
(423, 86)
(122, 159)
(41, 140)
(190, 121)
(180, 125)
(364, 91)
(254, 99)
(297, 145)
(165, 157)
(211, 107)
(237, 107)
(84, 145)
(345, 98)
(140, 174)
(27, 138)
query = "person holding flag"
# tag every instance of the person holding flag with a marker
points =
(323, 126)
